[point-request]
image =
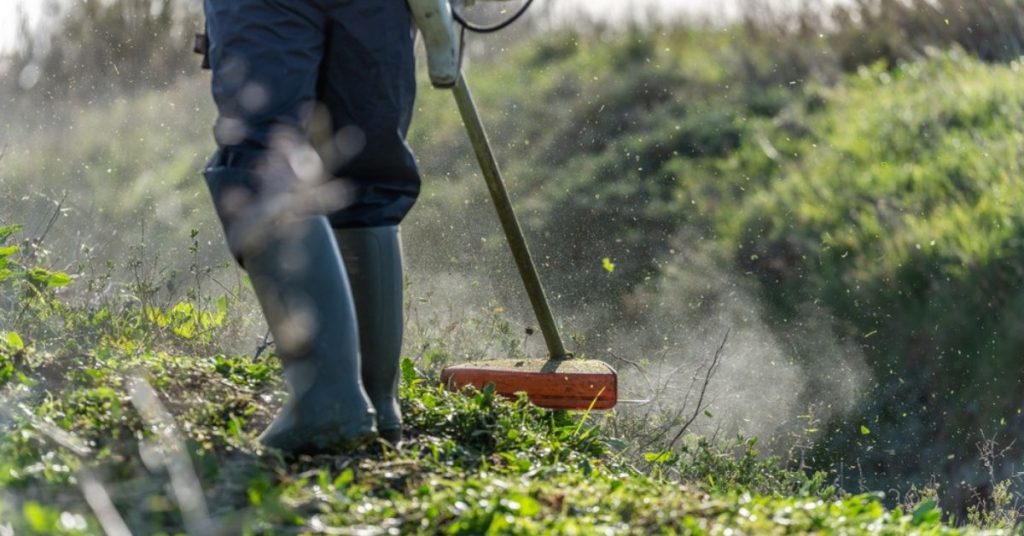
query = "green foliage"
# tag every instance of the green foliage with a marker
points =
(738, 468)
(188, 321)
(475, 463)
(16, 278)
(45, 520)
(900, 215)
(8, 268)
(7, 359)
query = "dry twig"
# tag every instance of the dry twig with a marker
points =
(267, 342)
(716, 362)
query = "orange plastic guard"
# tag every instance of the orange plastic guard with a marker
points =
(554, 384)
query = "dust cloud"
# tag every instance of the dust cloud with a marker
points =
(778, 378)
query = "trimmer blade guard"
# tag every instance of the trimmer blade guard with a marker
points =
(553, 384)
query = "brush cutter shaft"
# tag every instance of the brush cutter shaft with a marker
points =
(509, 222)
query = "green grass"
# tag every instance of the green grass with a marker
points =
(79, 424)
(474, 465)
(899, 210)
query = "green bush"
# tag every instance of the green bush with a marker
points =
(901, 215)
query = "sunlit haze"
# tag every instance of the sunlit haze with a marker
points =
(11, 13)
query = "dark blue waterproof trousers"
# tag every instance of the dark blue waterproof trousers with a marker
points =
(339, 73)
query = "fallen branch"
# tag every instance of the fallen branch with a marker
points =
(49, 224)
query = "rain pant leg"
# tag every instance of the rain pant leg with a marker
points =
(368, 87)
(274, 64)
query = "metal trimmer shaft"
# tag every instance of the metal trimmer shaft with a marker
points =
(509, 222)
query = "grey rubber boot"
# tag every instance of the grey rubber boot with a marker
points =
(373, 256)
(303, 290)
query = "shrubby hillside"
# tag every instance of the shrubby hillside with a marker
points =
(887, 198)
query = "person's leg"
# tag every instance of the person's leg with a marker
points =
(373, 256)
(266, 56)
(304, 293)
(368, 86)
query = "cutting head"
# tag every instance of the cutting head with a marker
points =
(554, 384)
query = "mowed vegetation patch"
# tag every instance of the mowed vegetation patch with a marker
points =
(131, 426)
(475, 464)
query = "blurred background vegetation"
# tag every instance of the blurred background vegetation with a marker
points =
(861, 161)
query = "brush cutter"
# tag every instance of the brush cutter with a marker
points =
(561, 381)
